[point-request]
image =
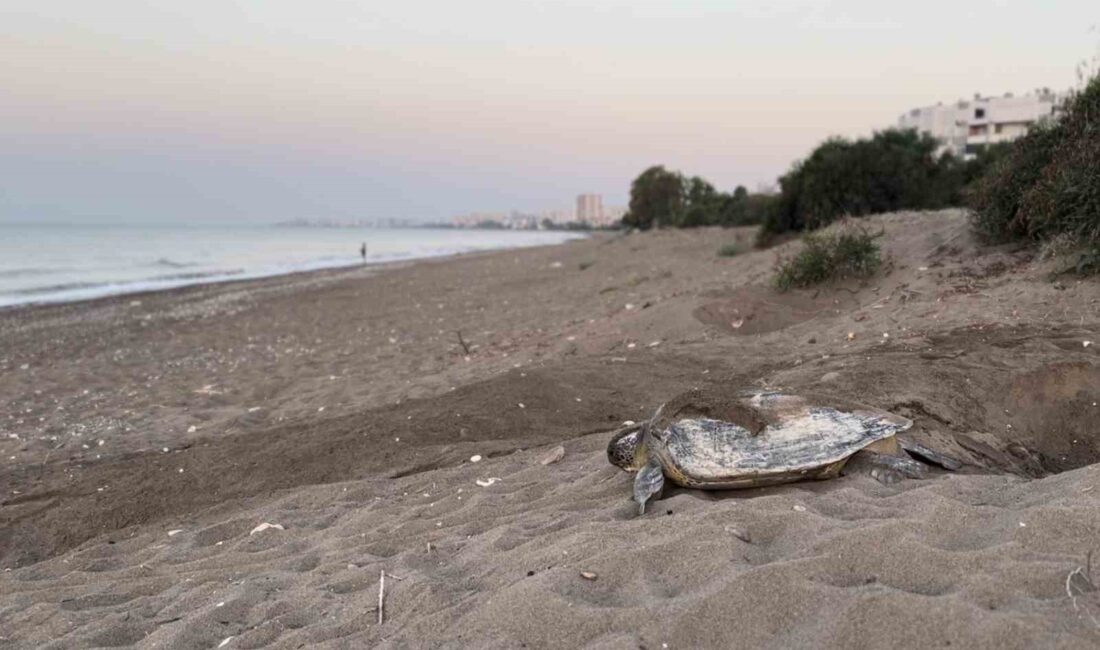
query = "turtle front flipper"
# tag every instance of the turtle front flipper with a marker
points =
(648, 483)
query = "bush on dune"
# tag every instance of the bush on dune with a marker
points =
(1048, 186)
(851, 252)
(997, 197)
(893, 170)
(729, 250)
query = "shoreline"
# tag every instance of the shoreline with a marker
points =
(239, 282)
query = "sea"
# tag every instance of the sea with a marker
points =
(49, 263)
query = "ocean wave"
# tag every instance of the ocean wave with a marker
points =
(30, 272)
(130, 285)
(196, 275)
(54, 288)
(172, 264)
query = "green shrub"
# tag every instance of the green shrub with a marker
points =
(660, 198)
(997, 196)
(893, 170)
(729, 250)
(1048, 185)
(825, 256)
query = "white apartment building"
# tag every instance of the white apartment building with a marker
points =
(590, 208)
(965, 127)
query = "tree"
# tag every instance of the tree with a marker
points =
(702, 204)
(893, 170)
(657, 198)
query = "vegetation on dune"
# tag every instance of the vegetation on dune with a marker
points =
(729, 250)
(893, 170)
(1043, 188)
(660, 198)
(850, 252)
(1047, 187)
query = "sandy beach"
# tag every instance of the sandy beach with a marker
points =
(145, 439)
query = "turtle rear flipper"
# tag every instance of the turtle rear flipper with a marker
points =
(921, 452)
(887, 468)
(649, 482)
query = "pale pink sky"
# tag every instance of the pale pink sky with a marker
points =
(274, 109)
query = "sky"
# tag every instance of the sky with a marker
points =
(265, 110)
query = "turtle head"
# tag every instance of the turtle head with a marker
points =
(627, 448)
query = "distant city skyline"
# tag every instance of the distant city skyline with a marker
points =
(242, 110)
(589, 211)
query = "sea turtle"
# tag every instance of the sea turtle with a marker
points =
(715, 440)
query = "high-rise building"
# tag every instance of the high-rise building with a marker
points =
(965, 127)
(590, 208)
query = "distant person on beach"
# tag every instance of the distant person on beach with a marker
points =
(363, 251)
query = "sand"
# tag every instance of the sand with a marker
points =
(144, 438)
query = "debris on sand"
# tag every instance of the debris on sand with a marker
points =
(486, 482)
(588, 575)
(173, 533)
(381, 596)
(739, 534)
(265, 526)
(556, 454)
(476, 458)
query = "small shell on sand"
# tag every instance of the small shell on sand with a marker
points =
(588, 575)
(487, 481)
(476, 458)
(265, 526)
(556, 454)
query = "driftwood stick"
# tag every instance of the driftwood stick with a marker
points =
(465, 348)
(382, 592)
(381, 595)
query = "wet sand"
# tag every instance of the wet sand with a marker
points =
(144, 438)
